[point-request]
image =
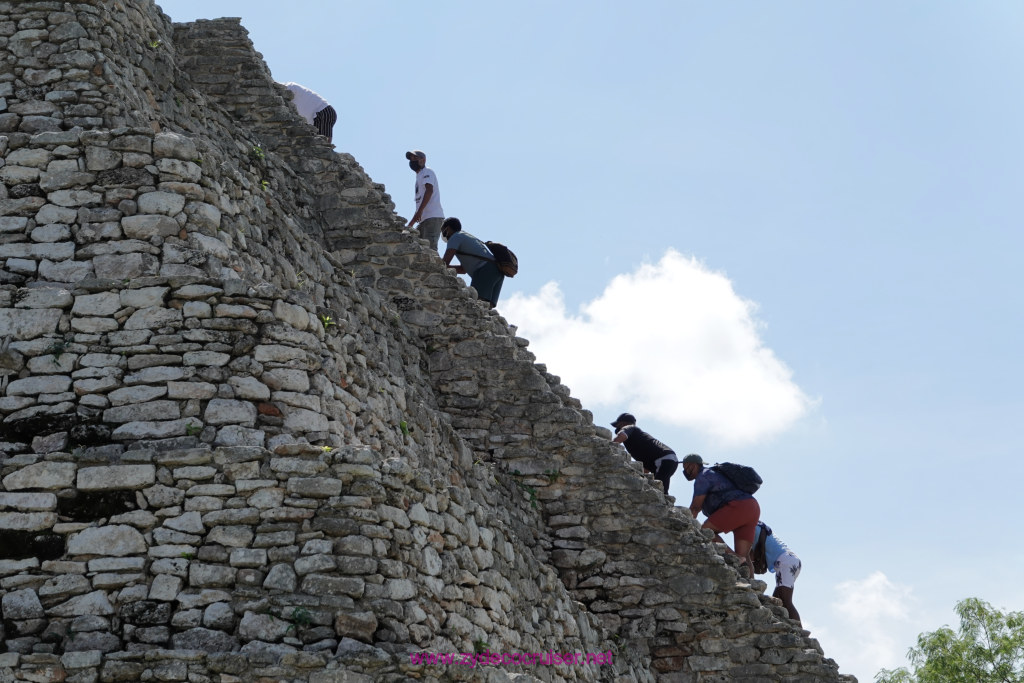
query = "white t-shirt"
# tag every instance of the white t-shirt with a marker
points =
(307, 102)
(433, 208)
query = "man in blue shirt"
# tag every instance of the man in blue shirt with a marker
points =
(475, 260)
(779, 560)
(726, 507)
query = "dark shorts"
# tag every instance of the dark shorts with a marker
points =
(487, 282)
(738, 516)
(324, 121)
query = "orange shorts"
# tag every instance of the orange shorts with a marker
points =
(738, 516)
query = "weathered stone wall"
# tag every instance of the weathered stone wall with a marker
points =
(251, 428)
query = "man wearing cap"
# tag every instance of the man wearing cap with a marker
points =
(428, 199)
(726, 507)
(655, 456)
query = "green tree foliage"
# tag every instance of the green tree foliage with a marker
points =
(989, 648)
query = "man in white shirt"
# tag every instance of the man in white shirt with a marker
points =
(314, 108)
(428, 199)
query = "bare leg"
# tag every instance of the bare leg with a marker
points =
(743, 550)
(786, 595)
(742, 547)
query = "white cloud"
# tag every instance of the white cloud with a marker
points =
(872, 626)
(671, 341)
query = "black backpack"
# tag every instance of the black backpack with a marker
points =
(504, 258)
(743, 477)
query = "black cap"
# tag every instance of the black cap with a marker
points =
(693, 458)
(625, 418)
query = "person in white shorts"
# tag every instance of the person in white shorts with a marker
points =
(781, 561)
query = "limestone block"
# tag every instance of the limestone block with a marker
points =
(52, 363)
(42, 475)
(165, 587)
(187, 390)
(21, 266)
(144, 297)
(65, 271)
(45, 384)
(285, 379)
(117, 540)
(210, 575)
(296, 316)
(16, 175)
(234, 311)
(120, 266)
(246, 557)
(101, 158)
(102, 304)
(357, 625)
(206, 358)
(194, 292)
(300, 420)
(321, 584)
(50, 213)
(314, 487)
(152, 430)
(277, 353)
(186, 170)
(249, 388)
(74, 198)
(44, 297)
(205, 640)
(210, 245)
(152, 318)
(161, 203)
(143, 412)
(219, 615)
(54, 232)
(29, 156)
(145, 226)
(236, 435)
(281, 577)
(262, 627)
(65, 179)
(22, 604)
(174, 146)
(13, 224)
(53, 251)
(27, 521)
(399, 589)
(190, 523)
(136, 394)
(314, 563)
(231, 536)
(93, 325)
(197, 309)
(226, 411)
(83, 387)
(28, 501)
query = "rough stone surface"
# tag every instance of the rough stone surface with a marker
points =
(251, 430)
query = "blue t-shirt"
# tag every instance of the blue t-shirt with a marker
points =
(718, 489)
(471, 248)
(773, 547)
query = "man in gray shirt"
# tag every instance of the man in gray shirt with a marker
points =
(475, 260)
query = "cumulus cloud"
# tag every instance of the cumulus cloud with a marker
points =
(672, 341)
(872, 626)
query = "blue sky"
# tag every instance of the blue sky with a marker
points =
(788, 231)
